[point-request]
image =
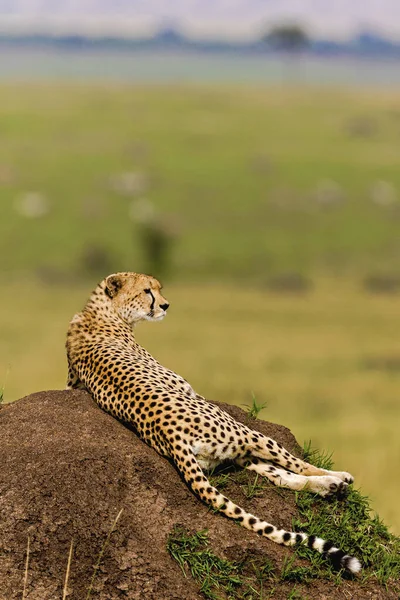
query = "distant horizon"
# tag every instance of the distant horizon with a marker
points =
(363, 45)
(177, 33)
(201, 19)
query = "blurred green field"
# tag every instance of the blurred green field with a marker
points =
(255, 182)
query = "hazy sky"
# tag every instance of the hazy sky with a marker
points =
(238, 18)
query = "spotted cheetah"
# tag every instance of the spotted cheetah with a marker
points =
(126, 381)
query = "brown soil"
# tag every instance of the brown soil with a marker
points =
(67, 469)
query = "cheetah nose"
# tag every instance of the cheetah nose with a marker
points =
(164, 306)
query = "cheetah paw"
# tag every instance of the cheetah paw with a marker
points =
(343, 475)
(340, 490)
(327, 485)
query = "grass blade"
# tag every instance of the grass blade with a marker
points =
(26, 569)
(68, 571)
(101, 554)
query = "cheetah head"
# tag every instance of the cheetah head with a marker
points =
(136, 297)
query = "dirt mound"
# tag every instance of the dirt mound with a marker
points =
(68, 469)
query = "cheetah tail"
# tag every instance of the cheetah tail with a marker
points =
(198, 482)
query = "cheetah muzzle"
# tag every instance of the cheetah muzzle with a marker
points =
(126, 381)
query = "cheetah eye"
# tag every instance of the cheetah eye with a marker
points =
(147, 291)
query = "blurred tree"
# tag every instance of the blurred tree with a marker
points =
(287, 38)
(291, 40)
(156, 233)
(156, 242)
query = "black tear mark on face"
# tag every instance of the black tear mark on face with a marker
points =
(148, 291)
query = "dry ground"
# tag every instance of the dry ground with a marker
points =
(69, 468)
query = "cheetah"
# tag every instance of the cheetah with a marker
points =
(127, 382)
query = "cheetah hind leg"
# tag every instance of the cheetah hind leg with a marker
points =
(194, 476)
(324, 485)
(267, 449)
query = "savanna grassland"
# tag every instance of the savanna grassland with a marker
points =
(254, 184)
(246, 177)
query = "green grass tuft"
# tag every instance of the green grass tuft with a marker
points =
(192, 553)
(294, 573)
(255, 408)
(221, 478)
(352, 526)
(220, 578)
(254, 487)
(294, 594)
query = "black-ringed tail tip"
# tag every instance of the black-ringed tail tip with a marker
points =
(338, 558)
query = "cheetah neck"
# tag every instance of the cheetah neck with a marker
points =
(99, 309)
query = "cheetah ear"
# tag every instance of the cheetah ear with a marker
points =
(113, 284)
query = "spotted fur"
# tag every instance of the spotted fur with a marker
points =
(127, 382)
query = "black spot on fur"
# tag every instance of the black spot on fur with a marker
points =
(268, 529)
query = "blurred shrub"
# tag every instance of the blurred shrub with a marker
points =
(292, 283)
(32, 205)
(92, 209)
(7, 175)
(53, 275)
(131, 183)
(329, 193)
(261, 164)
(389, 364)
(361, 127)
(382, 284)
(383, 193)
(96, 260)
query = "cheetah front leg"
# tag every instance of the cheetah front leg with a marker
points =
(178, 382)
(324, 485)
(187, 388)
(173, 380)
(73, 381)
